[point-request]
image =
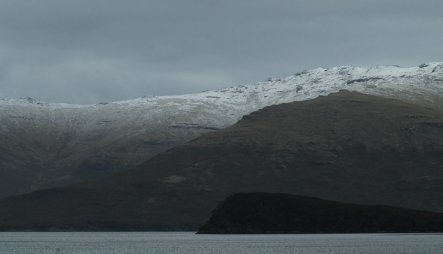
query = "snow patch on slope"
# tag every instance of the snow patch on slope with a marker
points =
(223, 107)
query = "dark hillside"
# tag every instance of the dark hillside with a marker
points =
(267, 213)
(346, 147)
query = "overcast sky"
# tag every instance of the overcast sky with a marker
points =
(89, 51)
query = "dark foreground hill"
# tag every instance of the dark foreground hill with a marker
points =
(267, 213)
(346, 147)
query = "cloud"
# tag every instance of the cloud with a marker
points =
(90, 51)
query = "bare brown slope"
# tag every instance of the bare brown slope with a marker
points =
(346, 147)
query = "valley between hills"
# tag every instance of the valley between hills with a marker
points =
(346, 146)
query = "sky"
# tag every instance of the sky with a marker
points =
(91, 51)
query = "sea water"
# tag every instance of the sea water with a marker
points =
(189, 242)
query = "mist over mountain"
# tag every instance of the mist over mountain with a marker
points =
(346, 146)
(48, 145)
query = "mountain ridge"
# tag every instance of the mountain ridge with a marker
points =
(347, 74)
(48, 144)
(347, 147)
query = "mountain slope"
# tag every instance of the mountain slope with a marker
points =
(347, 147)
(46, 145)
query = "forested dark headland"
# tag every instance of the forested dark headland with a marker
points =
(267, 213)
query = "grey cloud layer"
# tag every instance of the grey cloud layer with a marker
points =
(90, 51)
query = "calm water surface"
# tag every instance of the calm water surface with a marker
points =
(81, 242)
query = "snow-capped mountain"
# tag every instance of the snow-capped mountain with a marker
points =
(49, 144)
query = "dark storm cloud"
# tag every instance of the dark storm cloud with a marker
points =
(90, 51)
